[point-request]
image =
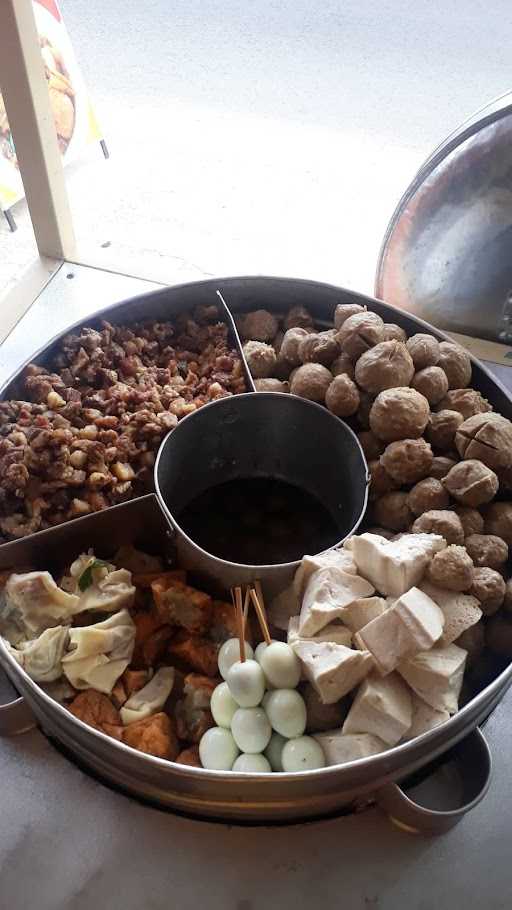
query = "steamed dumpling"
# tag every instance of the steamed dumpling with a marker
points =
(151, 698)
(42, 657)
(37, 602)
(106, 588)
(100, 653)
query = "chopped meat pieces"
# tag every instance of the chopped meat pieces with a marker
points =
(154, 735)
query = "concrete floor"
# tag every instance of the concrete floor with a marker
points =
(268, 137)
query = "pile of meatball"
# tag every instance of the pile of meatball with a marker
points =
(440, 458)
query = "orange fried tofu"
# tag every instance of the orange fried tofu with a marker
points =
(118, 694)
(193, 716)
(154, 735)
(95, 709)
(155, 646)
(146, 579)
(194, 652)
(181, 605)
(147, 624)
(190, 757)
(223, 622)
(133, 680)
(114, 730)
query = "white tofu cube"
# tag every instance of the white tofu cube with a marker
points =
(338, 559)
(424, 717)
(436, 676)
(282, 607)
(382, 707)
(327, 592)
(461, 611)
(414, 623)
(340, 748)
(360, 612)
(332, 670)
(335, 632)
(394, 566)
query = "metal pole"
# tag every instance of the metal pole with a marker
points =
(27, 102)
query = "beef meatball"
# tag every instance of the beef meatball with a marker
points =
(319, 347)
(426, 495)
(343, 364)
(452, 568)
(424, 350)
(259, 325)
(487, 437)
(344, 310)
(467, 402)
(471, 483)
(298, 317)
(498, 520)
(261, 358)
(471, 520)
(489, 589)
(399, 414)
(290, 345)
(440, 466)
(311, 381)
(271, 385)
(442, 428)
(385, 366)
(432, 383)
(487, 550)
(360, 332)
(392, 511)
(440, 521)
(394, 332)
(371, 446)
(342, 396)
(407, 460)
(456, 363)
(381, 482)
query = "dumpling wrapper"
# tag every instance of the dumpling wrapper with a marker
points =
(100, 653)
(327, 593)
(151, 698)
(37, 602)
(110, 589)
(96, 672)
(42, 657)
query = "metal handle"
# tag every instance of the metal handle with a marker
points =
(471, 761)
(16, 717)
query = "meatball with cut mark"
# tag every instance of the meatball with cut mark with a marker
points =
(498, 520)
(298, 317)
(424, 350)
(344, 310)
(392, 511)
(441, 429)
(452, 568)
(360, 332)
(261, 358)
(432, 383)
(489, 589)
(399, 414)
(440, 521)
(311, 381)
(394, 332)
(342, 397)
(440, 466)
(259, 325)
(319, 348)
(426, 495)
(271, 385)
(385, 366)
(467, 402)
(471, 483)
(456, 363)
(407, 460)
(487, 550)
(471, 520)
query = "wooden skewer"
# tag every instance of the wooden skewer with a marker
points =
(240, 622)
(261, 616)
(247, 599)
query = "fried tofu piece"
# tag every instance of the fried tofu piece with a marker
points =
(223, 622)
(149, 643)
(181, 605)
(118, 694)
(193, 716)
(154, 735)
(95, 709)
(146, 579)
(190, 756)
(146, 622)
(114, 730)
(133, 680)
(155, 646)
(137, 562)
(194, 652)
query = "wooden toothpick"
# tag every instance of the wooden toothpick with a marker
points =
(240, 622)
(261, 616)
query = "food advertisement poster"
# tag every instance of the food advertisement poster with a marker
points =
(74, 118)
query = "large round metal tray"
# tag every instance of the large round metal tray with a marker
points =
(230, 796)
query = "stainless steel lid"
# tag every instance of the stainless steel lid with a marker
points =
(447, 252)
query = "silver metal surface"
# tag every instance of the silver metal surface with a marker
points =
(447, 252)
(264, 797)
(263, 434)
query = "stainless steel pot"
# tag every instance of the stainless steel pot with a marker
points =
(232, 796)
(263, 434)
